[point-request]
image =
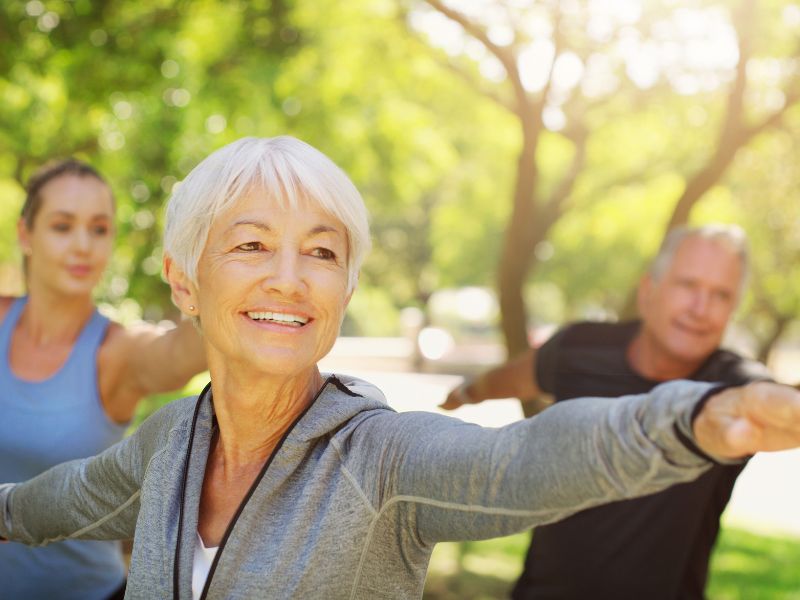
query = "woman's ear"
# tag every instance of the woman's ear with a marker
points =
(24, 237)
(184, 293)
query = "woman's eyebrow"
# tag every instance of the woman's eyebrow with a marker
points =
(316, 230)
(322, 229)
(257, 224)
(65, 214)
(62, 213)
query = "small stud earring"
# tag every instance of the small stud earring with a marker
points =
(192, 308)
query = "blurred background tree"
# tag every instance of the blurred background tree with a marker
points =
(611, 98)
(545, 146)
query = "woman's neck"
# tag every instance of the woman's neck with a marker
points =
(49, 320)
(254, 410)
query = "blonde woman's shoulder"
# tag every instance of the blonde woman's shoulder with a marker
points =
(5, 306)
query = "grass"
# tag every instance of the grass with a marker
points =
(753, 567)
(745, 566)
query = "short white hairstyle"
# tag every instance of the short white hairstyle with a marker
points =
(732, 237)
(288, 170)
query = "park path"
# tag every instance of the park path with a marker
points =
(766, 498)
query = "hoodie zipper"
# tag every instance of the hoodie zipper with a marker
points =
(245, 500)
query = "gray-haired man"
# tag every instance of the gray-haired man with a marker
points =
(656, 547)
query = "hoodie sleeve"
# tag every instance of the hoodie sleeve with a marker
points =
(92, 498)
(452, 480)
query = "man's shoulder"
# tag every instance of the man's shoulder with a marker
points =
(586, 359)
(729, 367)
(597, 333)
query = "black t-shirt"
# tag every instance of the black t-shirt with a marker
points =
(650, 548)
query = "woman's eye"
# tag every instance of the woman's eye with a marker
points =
(100, 230)
(324, 253)
(250, 247)
(60, 227)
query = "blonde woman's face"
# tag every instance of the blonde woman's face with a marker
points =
(71, 240)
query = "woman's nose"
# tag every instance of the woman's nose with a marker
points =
(81, 241)
(284, 274)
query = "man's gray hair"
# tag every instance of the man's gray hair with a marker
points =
(287, 170)
(732, 237)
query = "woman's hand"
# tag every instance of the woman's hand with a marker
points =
(744, 420)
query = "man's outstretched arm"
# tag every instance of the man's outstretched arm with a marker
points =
(514, 379)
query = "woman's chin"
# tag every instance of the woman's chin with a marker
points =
(76, 288)
(283, 364)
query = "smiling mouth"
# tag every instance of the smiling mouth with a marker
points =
(288, 319)
(79, 269)
(690, 330)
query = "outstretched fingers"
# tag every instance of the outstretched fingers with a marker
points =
(769, 419)
(754, 418)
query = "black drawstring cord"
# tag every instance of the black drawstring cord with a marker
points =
(175, 566)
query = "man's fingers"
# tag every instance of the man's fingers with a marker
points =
(745, 420)
(772, 405)
(449, 404)
(453, 401)
(743, 437)
(457, 397)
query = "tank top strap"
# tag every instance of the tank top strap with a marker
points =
(7, 328)
(84, 353)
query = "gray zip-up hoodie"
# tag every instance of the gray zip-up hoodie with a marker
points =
(354, 498)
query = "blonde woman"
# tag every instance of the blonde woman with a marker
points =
(70, 379)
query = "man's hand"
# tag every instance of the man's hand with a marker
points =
(744, 420)
(514, 379)
(458, 396)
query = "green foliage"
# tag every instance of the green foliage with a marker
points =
(372, 312)
(144, 90)
(765, 183)
(153, 403)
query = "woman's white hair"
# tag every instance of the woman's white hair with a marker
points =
(287, 169)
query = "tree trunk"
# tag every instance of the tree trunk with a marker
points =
(779, 327)
(516, 257)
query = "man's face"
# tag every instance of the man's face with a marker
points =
(685, 311)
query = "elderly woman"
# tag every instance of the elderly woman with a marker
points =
(279, 482)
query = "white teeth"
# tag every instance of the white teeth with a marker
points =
(277, 317)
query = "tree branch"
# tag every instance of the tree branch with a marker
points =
(469, 79)
(504, 55)
(554, 206)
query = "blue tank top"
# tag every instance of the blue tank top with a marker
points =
(42, 424)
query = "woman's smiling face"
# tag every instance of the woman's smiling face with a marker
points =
(272, 284)
(70, 242)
